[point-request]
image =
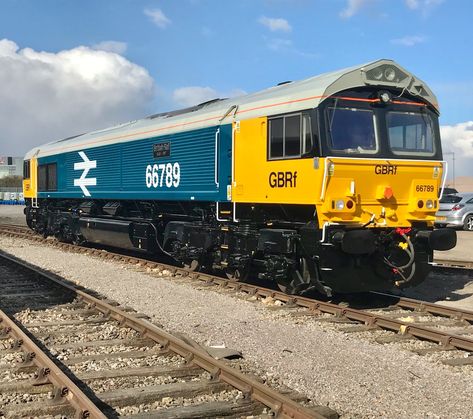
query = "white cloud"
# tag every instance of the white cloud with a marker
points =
(275, 24)
(46, 96)
(158, 17)
(425, 6)
(111, 46)
(412, 4)
(353, 7)
(459, 139)
(193, 95)
(419, 4)
(409, 41)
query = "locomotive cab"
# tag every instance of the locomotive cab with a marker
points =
(383, 167)
(364, 166)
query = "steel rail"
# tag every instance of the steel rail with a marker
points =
(431, 308)
(370, 319)
(453, 264)
(48, 371)
(280, 404)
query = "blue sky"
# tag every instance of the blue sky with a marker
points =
(194, 49)
(224, 45)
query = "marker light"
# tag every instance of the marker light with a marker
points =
(429, 204)
(385, 97)
(331, 169)
(340, 204)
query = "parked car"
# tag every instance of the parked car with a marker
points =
(456, 210)
(449, 191)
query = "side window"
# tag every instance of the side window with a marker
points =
(292, 136)
(47, 177)
(289, 136)
(52, 179)
(307, 139)
(42, 178)
(276, 138)
(26, 169)
(470, 201)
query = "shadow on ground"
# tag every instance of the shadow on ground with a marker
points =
(444, 285)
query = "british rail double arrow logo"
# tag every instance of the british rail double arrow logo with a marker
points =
(83, 181)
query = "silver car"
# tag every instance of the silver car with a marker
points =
(456, 210)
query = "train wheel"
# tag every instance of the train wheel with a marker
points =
(299, 279)
(64, 235)
(193, 266)
(305, 280)
(292, 289)
(236, 275)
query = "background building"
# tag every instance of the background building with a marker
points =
(11, 166)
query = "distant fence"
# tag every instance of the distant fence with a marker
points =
(11, 196)
(11, 189)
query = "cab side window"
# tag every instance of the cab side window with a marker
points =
(289, 136)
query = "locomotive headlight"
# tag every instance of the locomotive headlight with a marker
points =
(377, 73)
(390, 73)
(429, 204)
(385, 73)
(385, 97)
(340, 204)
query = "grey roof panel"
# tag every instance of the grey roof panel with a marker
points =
(288, 97)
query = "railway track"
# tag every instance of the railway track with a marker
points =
(453, 264)
(67, 353)
(446, 327)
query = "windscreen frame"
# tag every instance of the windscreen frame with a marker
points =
(368, 98)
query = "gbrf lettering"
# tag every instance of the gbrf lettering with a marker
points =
(283, 179)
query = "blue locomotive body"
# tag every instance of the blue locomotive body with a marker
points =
(190, 165)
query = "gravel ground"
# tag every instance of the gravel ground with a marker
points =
(356, 377)
(12, 214)
(169, 402)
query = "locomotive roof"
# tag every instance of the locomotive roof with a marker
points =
(287, 97)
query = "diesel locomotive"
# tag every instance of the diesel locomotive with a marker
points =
(328, 184)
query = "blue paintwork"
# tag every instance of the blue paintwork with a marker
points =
(121, 168)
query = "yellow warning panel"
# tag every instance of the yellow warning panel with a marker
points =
(30, 185)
